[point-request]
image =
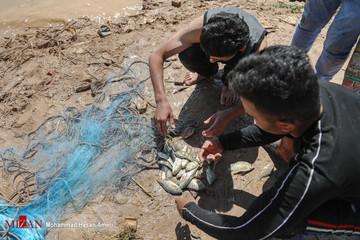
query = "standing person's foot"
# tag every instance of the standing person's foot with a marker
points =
(228, 96)
(192, 78)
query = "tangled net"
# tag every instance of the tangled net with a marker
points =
(71, 158)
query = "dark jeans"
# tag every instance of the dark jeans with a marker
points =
(195, 60)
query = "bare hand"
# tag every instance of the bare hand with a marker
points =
(228, 96)
(162, 113)
(220, 119)
(182, 201)
(211, 150)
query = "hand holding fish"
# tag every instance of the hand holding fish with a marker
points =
(211, 150)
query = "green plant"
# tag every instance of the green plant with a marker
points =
(292, 8)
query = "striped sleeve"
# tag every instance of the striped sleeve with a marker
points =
(273, 213)
(250, 136)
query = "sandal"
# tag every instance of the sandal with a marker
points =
(104, 31)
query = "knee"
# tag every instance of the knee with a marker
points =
(311, 24)
(339, 47)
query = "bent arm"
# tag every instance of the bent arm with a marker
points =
(250, 136)
(176, 44)
(235, 111)
(221, 119)
(275, 212)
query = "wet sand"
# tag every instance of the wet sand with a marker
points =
(17, 15)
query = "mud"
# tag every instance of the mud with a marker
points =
(44, 71)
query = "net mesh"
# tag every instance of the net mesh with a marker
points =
(72, 158)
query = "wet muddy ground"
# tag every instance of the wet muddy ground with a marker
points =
(42, 70)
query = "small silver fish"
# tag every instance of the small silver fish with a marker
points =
(187, 152)
(186, 178)
(241, 167)
(189, 131)
(185, 149)
(162, 155)
(191, 165)
(184, 162)
(180, 173)
(197, 159)
(210, 172)
(171, 146)
(196, 184)
(170, 161)
(181, 126)
(176, 166)
(186, 156)
(168, 173)
(165, 163)
(170, 186)
(165, 173)
(198, 173)
(174, 180)
(266, 171)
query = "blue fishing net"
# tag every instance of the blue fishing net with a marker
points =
(73, 157)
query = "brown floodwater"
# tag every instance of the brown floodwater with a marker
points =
(16, 15)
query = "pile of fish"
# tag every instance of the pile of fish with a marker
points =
(181, 170)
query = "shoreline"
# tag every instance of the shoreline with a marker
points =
(18, 16)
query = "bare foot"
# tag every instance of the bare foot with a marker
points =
(192, 78)
(228, 97)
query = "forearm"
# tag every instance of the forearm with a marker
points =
(251, 136)
(252, 225)
(210, 222)
(235, 111)
(275, 212)
(156, 73)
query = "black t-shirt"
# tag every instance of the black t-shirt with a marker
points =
(326, 167)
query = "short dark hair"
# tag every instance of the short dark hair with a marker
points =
(224, 35)
(279, 81)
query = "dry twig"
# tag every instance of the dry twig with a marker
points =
(143, 189)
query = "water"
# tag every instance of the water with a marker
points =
(17, 15)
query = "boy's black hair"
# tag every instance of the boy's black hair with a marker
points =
(279, 81)
(224, 35)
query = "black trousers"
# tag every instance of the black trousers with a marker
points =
(336, 219)
(195, 60)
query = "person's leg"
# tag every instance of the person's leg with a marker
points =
(342, 35)
(196, 61)
(335, 219)
(317, 13)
